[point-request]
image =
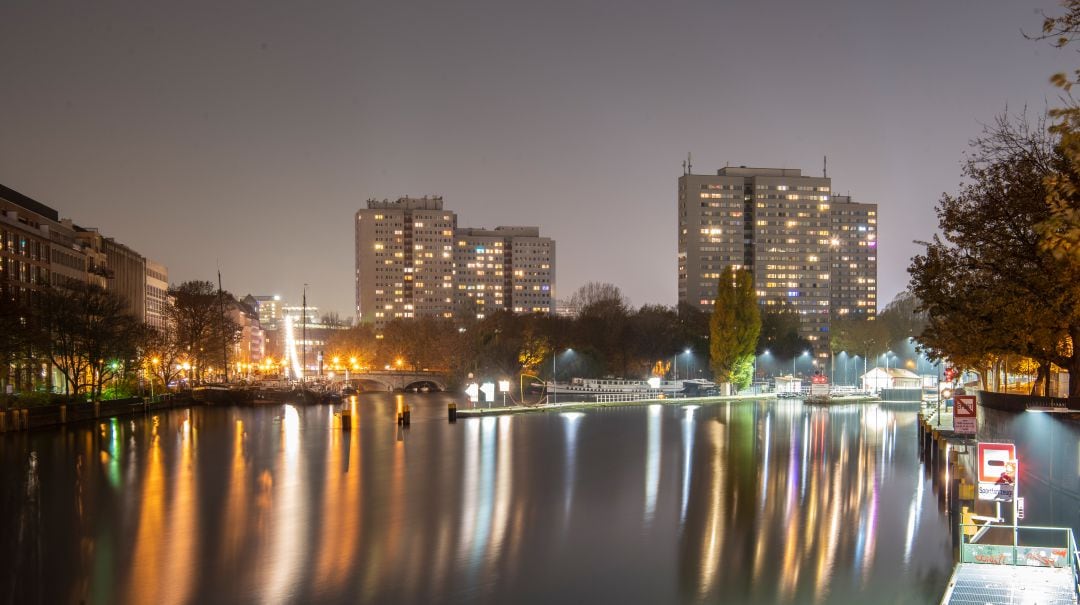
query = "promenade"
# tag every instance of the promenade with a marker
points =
(573, 406)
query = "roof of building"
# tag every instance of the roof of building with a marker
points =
(29, 203)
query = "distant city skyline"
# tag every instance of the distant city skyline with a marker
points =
(246, 137)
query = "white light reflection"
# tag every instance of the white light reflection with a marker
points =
(914, 516)
(688, 453)
(765, 464)
(289, 511)
(503, 489)
(573, 422)
(652, 462)
(472, 481)
(482, 525)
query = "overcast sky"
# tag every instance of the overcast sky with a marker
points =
(246, 134)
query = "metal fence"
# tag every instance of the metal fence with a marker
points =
(997, 545)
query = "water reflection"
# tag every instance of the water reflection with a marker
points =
(748, 502)
(288, 505)
(652, 462)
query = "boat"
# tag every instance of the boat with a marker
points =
(618, 386)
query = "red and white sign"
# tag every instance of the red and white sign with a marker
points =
(964, 406)
(965, 419)
(994, 462)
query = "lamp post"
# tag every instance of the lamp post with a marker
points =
(554, 356)
(794, 359)
(754, 377)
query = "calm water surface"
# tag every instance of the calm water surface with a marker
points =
(735, 503)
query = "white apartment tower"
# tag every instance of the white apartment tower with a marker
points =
(809, 251)
(404, 259)
(413, 261)
(503, 268)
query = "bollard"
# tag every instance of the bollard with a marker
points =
(3, 422)
(63, 413)
(97, 409)
(451, 410)
(346, 420)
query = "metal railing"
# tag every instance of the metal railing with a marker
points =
(627, 397)
(986, 545)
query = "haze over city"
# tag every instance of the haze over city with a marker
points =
(246, 136)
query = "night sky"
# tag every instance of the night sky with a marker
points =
(246, 134)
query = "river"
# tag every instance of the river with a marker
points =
(745, 502)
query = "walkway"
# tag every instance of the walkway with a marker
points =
(979, 584)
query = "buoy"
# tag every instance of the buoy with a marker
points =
(346, 420)
(451, 410)
(407, 415)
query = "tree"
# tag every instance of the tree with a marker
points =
(596, 292)
(202, 329)
(859, 334)
(780, 334)
(902, 318)
(734, 328)
(357, 343)
(163, 355)
(988, 283)
(89, 336)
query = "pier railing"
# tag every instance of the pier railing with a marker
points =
(994, 545)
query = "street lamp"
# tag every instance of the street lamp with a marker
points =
(794, 359)
(686, 352)
(754, 377)
(554, 374)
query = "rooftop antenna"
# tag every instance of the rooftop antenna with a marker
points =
(825, 168)
(684, 168)
(689, 163)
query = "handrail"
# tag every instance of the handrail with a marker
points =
(1071, 549)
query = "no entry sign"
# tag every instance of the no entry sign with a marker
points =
(997, 471)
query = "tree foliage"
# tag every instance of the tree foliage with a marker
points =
(203, 330)
(88, 336)
(780, 334)
(988, 284)
(734, 328)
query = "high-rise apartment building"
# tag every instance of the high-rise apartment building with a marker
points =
(404, 259)
(854, 256)
(503, 268)
(810, 252)
(413, 261)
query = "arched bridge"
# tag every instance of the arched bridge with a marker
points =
(392, 380)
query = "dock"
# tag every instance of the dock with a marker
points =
(575, 406)
(993, 564)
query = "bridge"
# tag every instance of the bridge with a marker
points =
(395, 380)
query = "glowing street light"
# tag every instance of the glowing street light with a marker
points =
(554, 374)
(794, 359)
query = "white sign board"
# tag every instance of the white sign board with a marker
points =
(473, 391)
(965, 419)
(996, 492)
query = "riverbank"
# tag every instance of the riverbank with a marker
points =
(24, 419)
(589, 405)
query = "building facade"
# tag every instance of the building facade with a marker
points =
(157, 295)
(39, 250)
(413, 261)
(854, 256)
(809, 253)
(506, 268)
(404, 260)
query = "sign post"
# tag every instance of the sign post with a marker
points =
(965, 414)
